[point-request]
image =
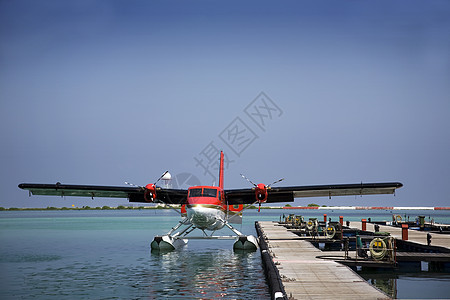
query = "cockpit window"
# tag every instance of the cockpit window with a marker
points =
(195, 192)
(209, 192)
(206, 192)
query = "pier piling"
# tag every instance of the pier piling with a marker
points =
(405, 232)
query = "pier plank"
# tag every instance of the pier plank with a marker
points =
(306, 277)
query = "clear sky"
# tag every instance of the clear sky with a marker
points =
(102, 92)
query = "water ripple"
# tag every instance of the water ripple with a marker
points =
(182, 274)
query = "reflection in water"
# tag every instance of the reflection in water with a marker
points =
(206, 274)
(198, 274)
(384, 283)
(424, 285)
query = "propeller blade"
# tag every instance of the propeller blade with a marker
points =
(132, 184)
(275, 182)
(161, 177)
(248, 180)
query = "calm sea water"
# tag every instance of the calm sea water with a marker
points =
(106, 255)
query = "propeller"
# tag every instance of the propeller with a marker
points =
(243, 176)
(261, 190)
(132, 184)
(279, 180)
(254, 184)
(150, 189)
(160, 177)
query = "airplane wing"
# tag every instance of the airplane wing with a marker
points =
(134, 194)
(287, 194)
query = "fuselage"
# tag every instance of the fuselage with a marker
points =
(206, 207)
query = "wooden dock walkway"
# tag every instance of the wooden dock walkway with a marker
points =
(415, 236)
(305, 276)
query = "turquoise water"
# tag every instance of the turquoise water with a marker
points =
(106, 255)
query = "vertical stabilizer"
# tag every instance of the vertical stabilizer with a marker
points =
(221, 171)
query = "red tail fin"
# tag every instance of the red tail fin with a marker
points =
(221, 171)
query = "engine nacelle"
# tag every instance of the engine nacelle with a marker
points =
(150, 192)
(261, 193)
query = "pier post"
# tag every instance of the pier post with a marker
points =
(363, 226)
(405, 232)
(421, 223)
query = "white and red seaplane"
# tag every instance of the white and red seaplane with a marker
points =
(209, 208)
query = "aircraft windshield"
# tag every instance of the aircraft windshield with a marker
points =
(195, 192)
(209, 192)
(206, 192)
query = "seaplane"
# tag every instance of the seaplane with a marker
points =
(206, 209)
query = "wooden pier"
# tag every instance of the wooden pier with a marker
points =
(304, 276)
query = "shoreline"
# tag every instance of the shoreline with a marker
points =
(269, 207)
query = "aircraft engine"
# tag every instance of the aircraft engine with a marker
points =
(150, 189)
(150, 192)
(261, 193)
(261, 190)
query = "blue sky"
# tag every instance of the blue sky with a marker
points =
(102, 92)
